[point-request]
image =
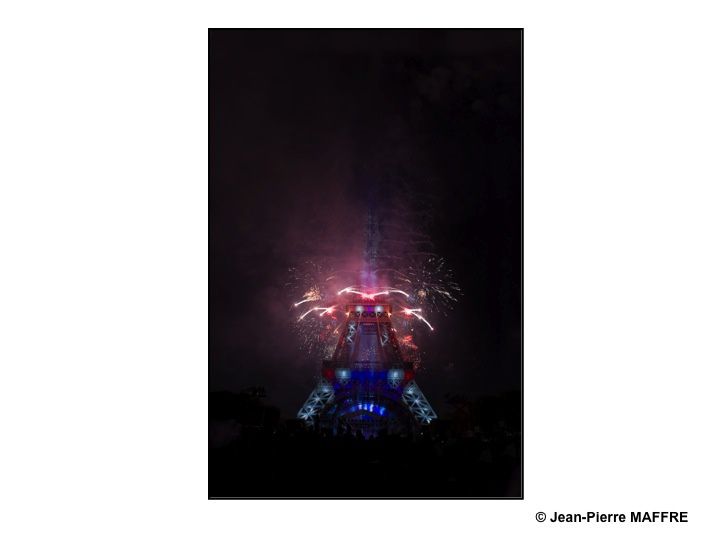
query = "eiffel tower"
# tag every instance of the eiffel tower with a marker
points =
(369, 384)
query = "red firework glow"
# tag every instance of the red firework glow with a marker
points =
(407, 341)
(322, 296)
(414, 312)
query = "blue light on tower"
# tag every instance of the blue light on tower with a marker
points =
(343, 375)
(395, 377)
(369, 407)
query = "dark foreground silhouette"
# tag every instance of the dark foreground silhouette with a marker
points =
(254, 453)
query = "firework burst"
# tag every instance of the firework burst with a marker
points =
(431, 284)
(418, 283)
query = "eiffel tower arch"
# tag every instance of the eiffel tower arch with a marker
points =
(368, 385)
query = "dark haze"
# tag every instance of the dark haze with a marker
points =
(308, 128)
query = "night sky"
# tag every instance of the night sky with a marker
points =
(305, 128)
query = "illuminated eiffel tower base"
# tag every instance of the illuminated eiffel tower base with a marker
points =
(368, 386)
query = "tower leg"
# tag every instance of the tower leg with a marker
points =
(417, 403)
(319, 397)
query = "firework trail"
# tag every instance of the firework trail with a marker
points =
(398, 265)
(428, 288)
(313, 286)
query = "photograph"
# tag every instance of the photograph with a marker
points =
(365, 263)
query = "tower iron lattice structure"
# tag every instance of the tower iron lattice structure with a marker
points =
(368, 385)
